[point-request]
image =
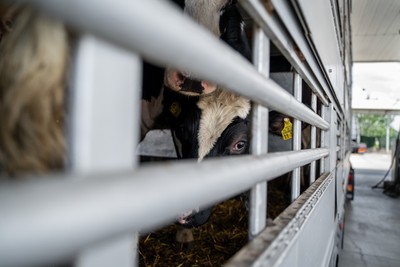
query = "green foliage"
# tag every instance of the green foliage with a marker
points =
(375, 125)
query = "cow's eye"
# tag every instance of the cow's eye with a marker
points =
(239, 147)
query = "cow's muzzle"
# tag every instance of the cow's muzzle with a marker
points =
(185, 84)
(194, 218)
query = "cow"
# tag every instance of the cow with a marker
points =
(191, 107)
(205, 120)
(33, 67)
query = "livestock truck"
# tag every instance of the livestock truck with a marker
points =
(93, 212)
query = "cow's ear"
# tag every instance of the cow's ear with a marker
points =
(277, 122)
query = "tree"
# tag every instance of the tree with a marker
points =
(373, 129)
(373, 125)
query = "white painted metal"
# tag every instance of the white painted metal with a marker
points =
(323, 141)
(331, 139)
(105, 102)
(313, 138)
(288, 242)
(130, 16)
(280, 38)
(321, 221)
(323, 35)
(259, 140)
(34, 215)
(292, 24)
(119, 251)
(297, 90)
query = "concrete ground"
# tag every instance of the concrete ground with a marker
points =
(372, 226)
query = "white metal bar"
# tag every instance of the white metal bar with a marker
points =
(118, 251)
(258, 209)
(43, 218)
(259, 140)
(323, 142)
(297, 91)
(313, 138)
(331, 139)
(142, 28)
(281, 39)
(105, 106)
(104, 128)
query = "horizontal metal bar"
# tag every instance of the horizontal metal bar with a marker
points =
(281, 39)
(141, 26)
(53, 219)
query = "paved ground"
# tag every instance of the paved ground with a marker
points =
(372, 230)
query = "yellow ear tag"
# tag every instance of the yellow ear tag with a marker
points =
(287, 129)
(175, 109)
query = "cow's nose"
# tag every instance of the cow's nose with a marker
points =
(201, 217)
(184, 83)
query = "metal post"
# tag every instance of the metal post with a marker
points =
(331, 139)
(259, 140)
(323, 143)
(104, 128)
(297, 91)
(313, 137)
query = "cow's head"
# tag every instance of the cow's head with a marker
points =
(207, 121)
(208, 126)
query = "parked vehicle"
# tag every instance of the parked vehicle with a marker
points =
(350, 185)
(361, 148)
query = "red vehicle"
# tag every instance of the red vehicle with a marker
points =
(350, 185)
(362, 148)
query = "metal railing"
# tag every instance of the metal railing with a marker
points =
(101, 205)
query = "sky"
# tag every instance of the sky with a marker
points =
(377, 86)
